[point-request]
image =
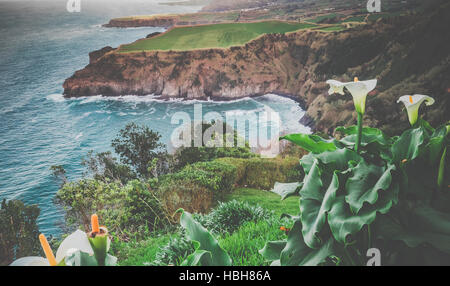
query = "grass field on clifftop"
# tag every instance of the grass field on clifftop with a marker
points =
(212, 36)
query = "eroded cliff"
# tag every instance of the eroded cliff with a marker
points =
(407, 55)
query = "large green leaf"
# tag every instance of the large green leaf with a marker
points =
(312, 143)
(434, 149)
(369, 135)
(408, 145)
(314, 211)
(198, 258)
(297, 253)
(365, 183)
(79, 258)
(343, 223)
(319, 190)
(312, 183)
(286, 190)
(272, 250)
(424, 225)
(331, 160)
(196, 232)
(339, 159)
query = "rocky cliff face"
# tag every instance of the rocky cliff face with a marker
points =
(407, 55)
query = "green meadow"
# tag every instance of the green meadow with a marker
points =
(212, 36)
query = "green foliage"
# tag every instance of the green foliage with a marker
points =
(103, 166)
(59, 174)
(386, 196)
(80, 258)
(241, 168)
(141, 211)
(186, 194)
(138, 147)
(142, 252)
(229, 216)
(207, 250)
(198, 186)
(18, 231)
(129, 211)
(215, 176)
(287, 189)
(243, 245)
(88, 196)
(263, 173)
(189, 155)
(312, 143)
(174, 252)
(265, 199)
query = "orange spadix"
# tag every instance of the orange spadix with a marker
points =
(410, 99)
(47, 250)
(355, 79)
(94, 223)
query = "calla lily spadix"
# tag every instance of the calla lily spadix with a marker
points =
(358, 89)
(413, 103)
(77, 241)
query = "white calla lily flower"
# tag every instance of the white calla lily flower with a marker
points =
(31, 261)
(77, 240)
(413, 103)
(358, 89)
(336, 87)
(74, 242)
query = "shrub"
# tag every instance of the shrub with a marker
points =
(83, 198)
(224, 175)
(183, 193)
(139, 147)
(263, 173)
(104, 166)
(196, 187)
(241, 168)
(141, 211)
(18, 231)
(189, 155)
(130, 211)
(174, 252)
(228, 217)
(215, 176)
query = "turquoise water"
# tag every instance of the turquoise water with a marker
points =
(41, 45)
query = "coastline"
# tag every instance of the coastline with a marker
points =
(295, 65)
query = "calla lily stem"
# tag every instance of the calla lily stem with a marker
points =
(440, 180)
(359, 134)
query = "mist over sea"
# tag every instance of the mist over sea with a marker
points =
(41, 45)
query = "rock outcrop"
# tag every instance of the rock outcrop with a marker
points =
(407, 55)
(159, 21)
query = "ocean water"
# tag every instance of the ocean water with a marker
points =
(41, 45)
